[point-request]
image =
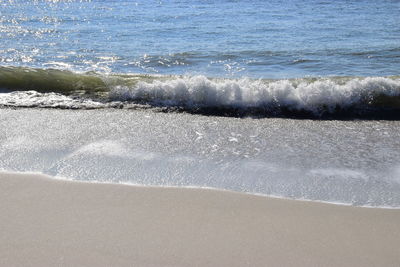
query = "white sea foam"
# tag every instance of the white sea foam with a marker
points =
(109, 148)
(47, 100)
(300, 94)
(104, 147)
(313, 95)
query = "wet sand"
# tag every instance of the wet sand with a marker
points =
(50, 222)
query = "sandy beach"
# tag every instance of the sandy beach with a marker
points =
(50, 222)
(199, 133)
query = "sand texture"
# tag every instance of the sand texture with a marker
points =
(50, 222)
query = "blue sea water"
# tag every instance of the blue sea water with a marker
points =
(315, 59)
(259, 39)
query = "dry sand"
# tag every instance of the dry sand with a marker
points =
(49, 222)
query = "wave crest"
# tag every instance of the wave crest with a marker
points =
(317, 96)
(326, 97)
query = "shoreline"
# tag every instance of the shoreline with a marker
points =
(184, 187)
(49, 222)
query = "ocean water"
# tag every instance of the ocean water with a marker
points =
(260, 39)
(206, 93)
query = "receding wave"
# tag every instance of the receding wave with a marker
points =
(324, 97)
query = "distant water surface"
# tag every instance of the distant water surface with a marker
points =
(259, 39)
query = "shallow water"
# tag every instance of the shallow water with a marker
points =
(351, 162)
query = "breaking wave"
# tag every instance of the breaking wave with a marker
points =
(325, 97)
